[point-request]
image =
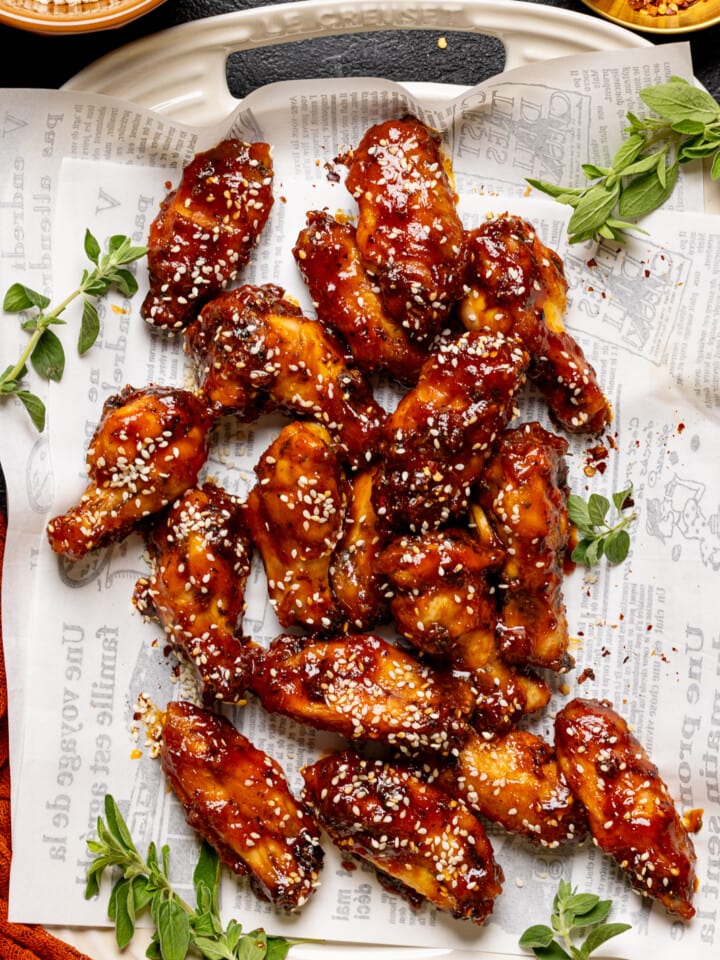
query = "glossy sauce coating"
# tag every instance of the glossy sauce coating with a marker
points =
(631, 814)
(504, 693)
(524, 493)
(238, 799)
(517, 286)
(348, 301)
(199, 552)
(513, 779)
(355, 578)
(205, 230)
(442, 432)
(364, 688)
(254, 351)
(423, 844)
(438, 586)
(409, 234)
(148, 448)
(295, 514)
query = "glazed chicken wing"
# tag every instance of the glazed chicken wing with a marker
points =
(513, 779)
(524, 494)
(631, 814)
(200, 553)
(409, 234)
(356, 582)
(442, 431)
(364, 688)
(438, 586)
(423, 844)
(253, 351)
(503, 693)
(238, 799)
(347, 300)
(147, 449)
(517, 286)
(295, 515)
(205, 230)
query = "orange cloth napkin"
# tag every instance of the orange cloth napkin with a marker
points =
(18, 941)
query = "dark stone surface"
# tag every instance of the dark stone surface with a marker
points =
(34, 60)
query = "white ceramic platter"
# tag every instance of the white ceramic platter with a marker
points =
(182, 73)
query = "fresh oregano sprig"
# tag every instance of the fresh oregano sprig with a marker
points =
(44, 349)
(644, 171)
(574, 914)
(143, 884)
(598, 536)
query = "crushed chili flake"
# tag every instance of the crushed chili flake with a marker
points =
(659, 8)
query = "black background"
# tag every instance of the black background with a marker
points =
(35, 60)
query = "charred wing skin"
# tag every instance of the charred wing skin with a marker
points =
(438, 586)
(205, 230)
(347, 301)
(503, 693)
(200, 554)
(355, 579)
(148, 448)
(364, 688)
(524, 493)
(423, 844)
(631, 814)
(514, 779)
(237, 798)
(517, 285)
(443, 430)
(254, 350)
(295, 514)
(409, 234)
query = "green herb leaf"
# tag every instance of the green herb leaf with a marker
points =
(572, 914)
(89, 327)
(143, 885)
(644, 170)
(44, 350)
(48, 356)
(648, 192)
(34, 406)
(173, 929)
(598, 536)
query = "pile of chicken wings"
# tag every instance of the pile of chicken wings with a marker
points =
(441, 523)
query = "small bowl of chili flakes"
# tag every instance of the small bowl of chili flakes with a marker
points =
(659, 16)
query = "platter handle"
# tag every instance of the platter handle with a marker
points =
(182, 71)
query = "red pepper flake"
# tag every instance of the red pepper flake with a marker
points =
(587, 674)
(681, 427)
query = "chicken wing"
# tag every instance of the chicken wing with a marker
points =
(631, 814)
(409, 234)
(438, 586)
(423, 844)
(205, 230)
(200, 554)
(238, 799)
(524, 494)
(347, 300)
(442, 432)
(513, 779)
(295, 515)
(253, 351)
(364, 688)
(356, 582)
(517, 286)
(147, 449)
(503, 693)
